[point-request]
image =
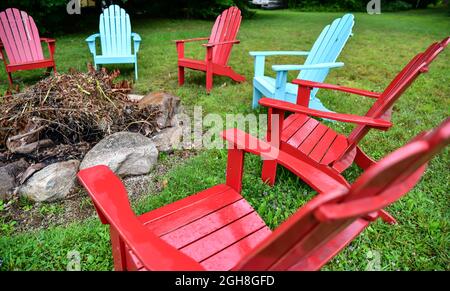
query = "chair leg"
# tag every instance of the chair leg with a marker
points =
(118, 250)
(387, 217)
(269, 172)
(54, 69)
(209, 81)
(235, 76)
(256, 96)
(180, 76)
(363, 160)
(135, 71)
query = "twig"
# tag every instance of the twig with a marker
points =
(104, 95)
(82, 90)
(46, 95)
(19, 136)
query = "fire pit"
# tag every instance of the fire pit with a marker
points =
(61, 118)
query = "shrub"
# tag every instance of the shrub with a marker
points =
(203, 9)
(357, 5)
(51, 15)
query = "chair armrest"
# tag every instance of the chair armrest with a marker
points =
(191, 39)
(47, 40)
(279, 53)
(51, 44)
(351, 118)
(221, 43)
(241, 142)
(306, 67)
(282, 74)
(180, 44)
(261, 55)
(111, 201)
(135, 36)
(311, 84)
(137, 41)
(91, 43)
(250, 144)
(92, 37)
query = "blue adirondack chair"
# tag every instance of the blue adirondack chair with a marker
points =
(319, 61)
(115, 39)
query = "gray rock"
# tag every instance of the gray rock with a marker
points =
(125, 153)
(53, 182)
(168, 139)
(9, 177)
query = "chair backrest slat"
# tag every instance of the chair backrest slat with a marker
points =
(327, 48)
(418, 65)
(33, 34)
(126, 28)
(321, 222)
(112, 27)
(115, 32)
(225, 28)
(221, 29)
(8, 40)
(20, 36)
(16, 35)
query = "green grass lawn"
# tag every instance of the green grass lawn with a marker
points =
(380, 47)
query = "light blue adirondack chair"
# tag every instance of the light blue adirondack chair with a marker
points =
(115, 39)
(319, 61)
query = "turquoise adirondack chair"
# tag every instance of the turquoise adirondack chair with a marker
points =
(115, 39)
(319, 61)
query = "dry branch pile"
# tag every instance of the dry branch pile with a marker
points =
(60, 116)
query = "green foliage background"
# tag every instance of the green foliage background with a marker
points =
(359, 5)
(51, 15)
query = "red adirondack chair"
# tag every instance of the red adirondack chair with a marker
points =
(320, 146)
(217, 229)
(218, 49)
(20, 39)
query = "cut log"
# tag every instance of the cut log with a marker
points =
(166, 103)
